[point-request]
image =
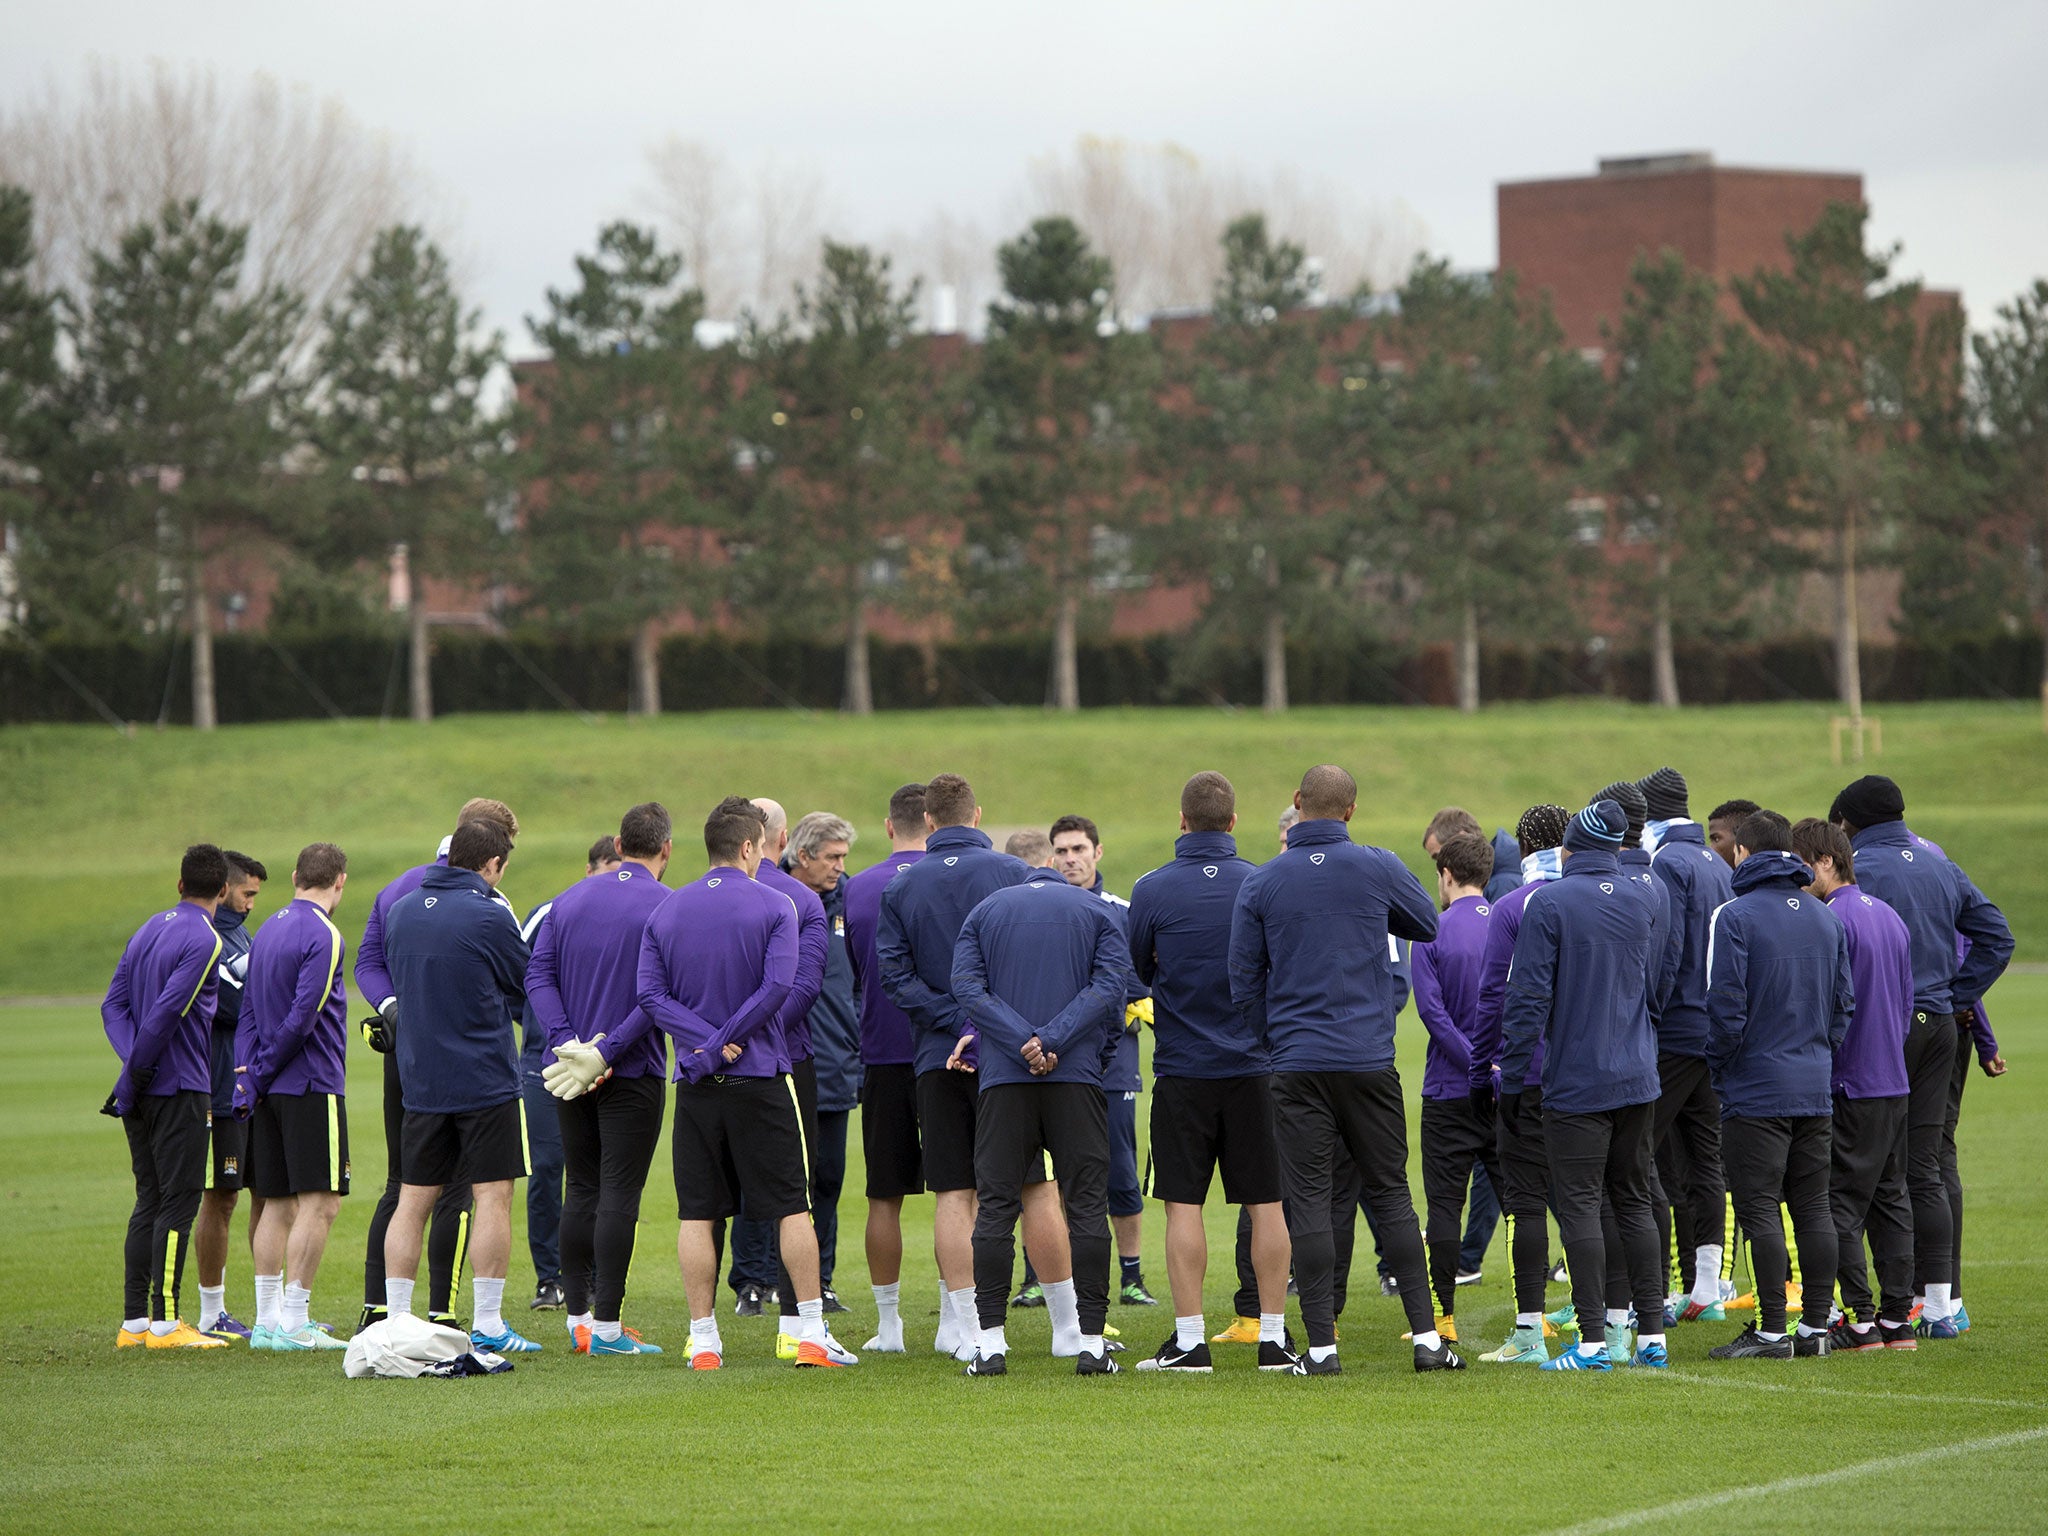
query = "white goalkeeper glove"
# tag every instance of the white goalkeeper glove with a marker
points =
(578, 1067)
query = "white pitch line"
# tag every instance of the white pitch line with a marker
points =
(1879, 1397)
(1884, 1465)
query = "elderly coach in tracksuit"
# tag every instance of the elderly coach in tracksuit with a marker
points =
(1779, 996)
(1579, 985)
(1310, 966)
(1041, 969)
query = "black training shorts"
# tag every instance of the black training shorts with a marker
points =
(477, 1146)
(888, 1131)
(948, 1103)
(740, 1139)
(1201, 1123)
(228, 1164)
(298, 1145)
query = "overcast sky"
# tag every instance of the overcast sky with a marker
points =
(530, 121)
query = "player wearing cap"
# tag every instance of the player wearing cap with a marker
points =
(1697, 879)
(1578, 990)
(158, 1014)
(291, 1088)
(1939, 906)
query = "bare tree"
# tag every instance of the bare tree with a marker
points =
(310, 184)
(749, 234)
(1156, 211)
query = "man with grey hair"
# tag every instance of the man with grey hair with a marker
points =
(818, 846)
(1288, 818)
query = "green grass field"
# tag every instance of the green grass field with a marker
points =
(90, 825)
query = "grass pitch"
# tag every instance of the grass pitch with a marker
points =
(1954, 1437)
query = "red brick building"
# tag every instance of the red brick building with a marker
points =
(1575, 237)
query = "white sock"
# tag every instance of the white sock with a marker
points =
(1938, 1304)
(1528, 1319)
(1321, 1351)
(888, 1304)
(1592, 1351)
(704, 1335)
(135, 1324)
(269, 1301)
(1645, 1340)
(213, 1300)
(490, 1302)
(398, 1297)
(580, 1320)
(947, 1339)
(610, 1332)
(163, 1329)
(1617, 1317)
(810, 1320)
(990, 1342)
(1806, 1332)
(966, 1321)
(1706, 1274)
(1272, 1327)
(1091, 1344)
(1187, 1331)
(1773, 1337)
(1429, 1339)
(1063, 1309)
(298, 1307)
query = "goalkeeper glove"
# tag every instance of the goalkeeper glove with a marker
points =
(578, 1067)
(1138, 1013)
(380, 1030)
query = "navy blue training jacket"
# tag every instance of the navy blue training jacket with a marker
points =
(1507, 866)
(922, 910)
(1697, 878)
(1667, 944)
(1180, 945)
(1779, 993)
(1936, 901)
(458, 966)
(835, 1016)
(1579, 982)
(1043, 958)
(1310, 962)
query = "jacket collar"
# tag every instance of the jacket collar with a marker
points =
(1205, 845)
(1763, 868)
(225, 921)
(957, 837)
(1044, 875)
(1634, 858)
(1590, 861)
(1304, 833)
(1886, 834)
(443, 877)
(1681, 831)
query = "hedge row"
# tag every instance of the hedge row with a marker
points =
(296, 677)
